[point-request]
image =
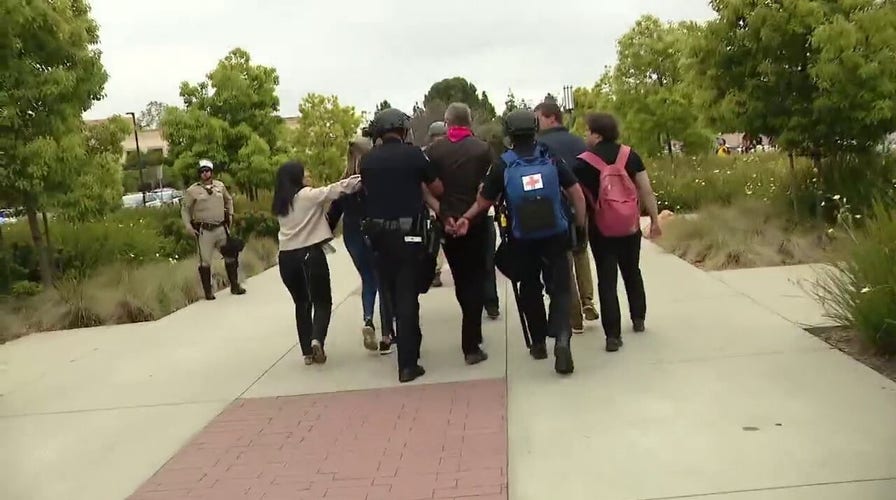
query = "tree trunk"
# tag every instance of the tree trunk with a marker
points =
(47, 233)
(46, 272)
(793, 181)
(669, 146)
(821, 191)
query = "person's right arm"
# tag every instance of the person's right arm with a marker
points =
(186, 208)
(333, 191)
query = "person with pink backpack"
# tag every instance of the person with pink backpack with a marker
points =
(616, 188)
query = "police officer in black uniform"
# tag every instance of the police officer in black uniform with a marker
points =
(394, 175)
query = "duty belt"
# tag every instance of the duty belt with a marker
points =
(404, 224)
(208, 226)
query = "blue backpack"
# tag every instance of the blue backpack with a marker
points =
(533, 196)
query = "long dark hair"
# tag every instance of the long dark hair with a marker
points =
(290, 180)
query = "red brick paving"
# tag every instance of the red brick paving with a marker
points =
(440, 441)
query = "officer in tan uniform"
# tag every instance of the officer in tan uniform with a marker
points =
(207, 210)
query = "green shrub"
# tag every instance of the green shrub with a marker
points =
(25, 289)
(128, 236)
(861, 289)
(687, 184)
(690, 183)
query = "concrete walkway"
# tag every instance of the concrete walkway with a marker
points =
(722, 398)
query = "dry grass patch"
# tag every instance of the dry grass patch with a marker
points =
(746, 234)
(122, 293)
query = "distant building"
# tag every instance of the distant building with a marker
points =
(151, 140)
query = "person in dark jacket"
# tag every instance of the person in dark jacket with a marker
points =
(567, 146)
(349, 209)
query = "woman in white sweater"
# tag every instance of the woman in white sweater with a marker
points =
(301, 212)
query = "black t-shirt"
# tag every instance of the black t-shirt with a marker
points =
(589, 177)
(391, 175)
(461, 166)
(494, 179)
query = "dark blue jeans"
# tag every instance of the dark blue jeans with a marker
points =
(491, 286)
(362, 257)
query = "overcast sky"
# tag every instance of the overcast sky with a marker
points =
(365, 52)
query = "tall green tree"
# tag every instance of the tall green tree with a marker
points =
(96, 188)
(818, 75)
(151, 116)
(423, 118)
(598, 98)
(320, 139)
(231, 118)
(51, 73)
(458, 89)
(510, 103)
(651, 91)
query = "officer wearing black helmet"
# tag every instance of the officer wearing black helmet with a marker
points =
(395, 175)
(529, 183)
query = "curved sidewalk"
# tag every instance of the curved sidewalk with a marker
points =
(720, 399)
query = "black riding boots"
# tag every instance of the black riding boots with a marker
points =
(233, 276)
(205, 275)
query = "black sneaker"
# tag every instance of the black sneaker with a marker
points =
(539, 351)
(368, 332)
(493, 312)
(476, 357)
(386, 345)
(638, 325)
(613, 344)
(563, 359)
(410, 374)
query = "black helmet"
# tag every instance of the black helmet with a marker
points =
(390, 119)
(520, 122)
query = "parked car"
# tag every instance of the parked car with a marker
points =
(134, 200)
(168, 196)
(7, 216)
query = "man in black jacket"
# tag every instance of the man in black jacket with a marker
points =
(567, 146)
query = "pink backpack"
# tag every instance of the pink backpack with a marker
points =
(616, 211)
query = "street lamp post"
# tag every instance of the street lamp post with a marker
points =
(569, 102)
(139, 155)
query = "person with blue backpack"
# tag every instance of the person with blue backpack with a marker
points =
(528, 184)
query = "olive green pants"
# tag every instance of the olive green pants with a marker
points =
(210, 241)
(581, 287)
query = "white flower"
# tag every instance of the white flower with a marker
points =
(865, 290)
(836, 196)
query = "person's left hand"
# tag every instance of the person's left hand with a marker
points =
(450, 226)
(461, 227)
(655, 231)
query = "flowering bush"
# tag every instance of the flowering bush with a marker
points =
(688, 184)
(860, 290)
